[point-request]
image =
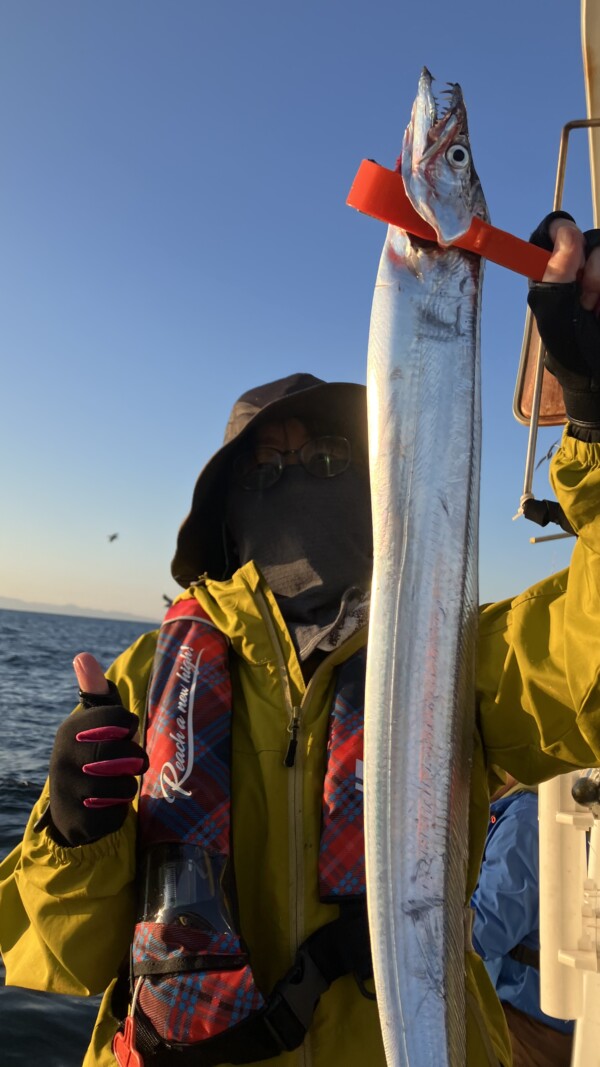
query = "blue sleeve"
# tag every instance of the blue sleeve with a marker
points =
(506, 901)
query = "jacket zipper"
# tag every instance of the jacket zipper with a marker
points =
(295, 807)
(294, 761)
(293, 730)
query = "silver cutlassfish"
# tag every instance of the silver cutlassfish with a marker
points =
(423, 387)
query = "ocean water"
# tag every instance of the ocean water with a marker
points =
(37, 691)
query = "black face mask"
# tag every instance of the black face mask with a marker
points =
(312, 539)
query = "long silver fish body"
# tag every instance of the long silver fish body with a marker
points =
(423, 389)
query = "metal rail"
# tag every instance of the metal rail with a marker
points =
(534, 419)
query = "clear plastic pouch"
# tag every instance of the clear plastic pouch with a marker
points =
(182, 884)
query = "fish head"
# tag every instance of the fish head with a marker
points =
(437, 166)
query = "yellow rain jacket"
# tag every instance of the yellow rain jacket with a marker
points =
(67, 915)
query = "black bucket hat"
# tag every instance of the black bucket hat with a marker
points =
(342, 406)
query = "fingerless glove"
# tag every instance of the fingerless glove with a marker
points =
(93, 770)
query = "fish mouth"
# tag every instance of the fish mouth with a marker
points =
(432, 132)
(436, 163)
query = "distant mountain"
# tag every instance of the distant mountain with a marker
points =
(13, 604)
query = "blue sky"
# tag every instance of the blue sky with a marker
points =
(174, 231)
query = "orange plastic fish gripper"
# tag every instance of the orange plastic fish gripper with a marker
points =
(380, 192)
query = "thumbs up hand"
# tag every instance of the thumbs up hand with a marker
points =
(93, 686)
(94, 761)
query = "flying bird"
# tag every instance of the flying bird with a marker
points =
(113, 537)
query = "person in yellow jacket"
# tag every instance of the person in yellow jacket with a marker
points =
(276, 552)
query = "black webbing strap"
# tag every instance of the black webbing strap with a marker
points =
(529, 956)
(338, 948)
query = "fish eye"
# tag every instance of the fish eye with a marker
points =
(458, 156)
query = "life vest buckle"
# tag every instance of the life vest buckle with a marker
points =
(292, 1003)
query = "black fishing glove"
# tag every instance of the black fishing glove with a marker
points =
(572, 338)
(93, 770)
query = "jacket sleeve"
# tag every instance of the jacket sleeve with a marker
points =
(539, 655)
(506, 901)
(67, 914)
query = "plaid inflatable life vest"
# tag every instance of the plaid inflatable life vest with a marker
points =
(195, 1000)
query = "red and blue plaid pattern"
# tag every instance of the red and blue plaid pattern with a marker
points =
(160, 946)
(197, 981)
(193, 1007)
(342, 849)
(186, 791)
